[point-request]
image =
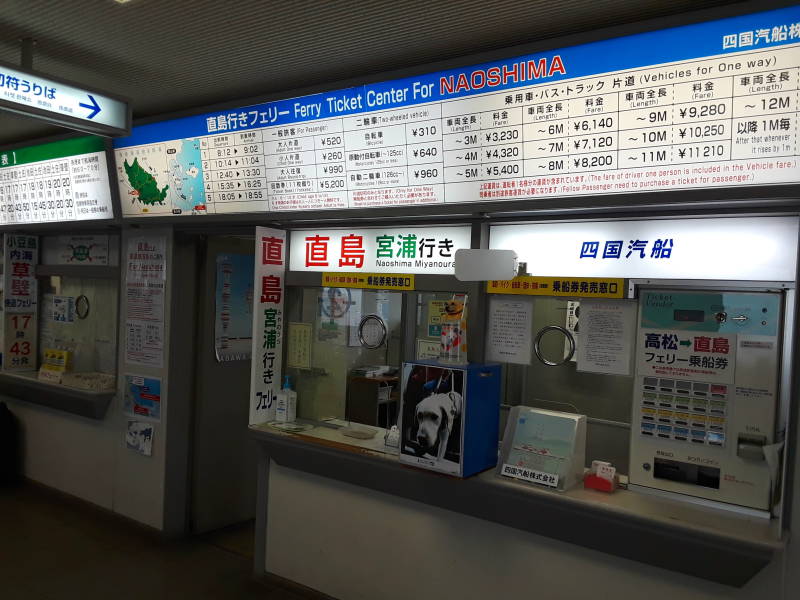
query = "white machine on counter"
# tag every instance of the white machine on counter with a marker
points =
(706, 394)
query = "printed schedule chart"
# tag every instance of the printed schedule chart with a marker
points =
(62, 181)
(722, 121)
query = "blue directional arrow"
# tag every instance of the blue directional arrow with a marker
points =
(94, 107)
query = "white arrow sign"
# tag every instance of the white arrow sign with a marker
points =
(63, 103)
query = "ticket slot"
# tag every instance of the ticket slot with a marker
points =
(686, 473)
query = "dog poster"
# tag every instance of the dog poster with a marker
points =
(432, 417)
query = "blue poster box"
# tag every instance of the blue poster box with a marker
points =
(450, 416)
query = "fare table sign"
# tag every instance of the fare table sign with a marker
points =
(57, 182)
(700, 106)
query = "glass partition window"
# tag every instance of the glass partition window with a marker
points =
(76, 334)
(344, 352)
(605, 399)
(563, 387)
(79, 315)
(345, 348)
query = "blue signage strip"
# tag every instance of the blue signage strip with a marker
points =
(700, 106)
(753, 32)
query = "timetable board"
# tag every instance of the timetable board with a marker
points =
(57, 182)
(701, 106)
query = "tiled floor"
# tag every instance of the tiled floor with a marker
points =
(57, 548)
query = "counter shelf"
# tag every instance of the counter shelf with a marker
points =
(85, 403)
(718, 546)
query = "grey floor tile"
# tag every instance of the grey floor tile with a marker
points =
(52, 548)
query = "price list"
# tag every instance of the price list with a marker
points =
(693, 126)
(49, 183)
(724, 121)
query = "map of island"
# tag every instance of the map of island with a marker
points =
(187, 193)
(144, 184)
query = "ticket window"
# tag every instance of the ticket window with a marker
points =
(564, 387)
(71, 340)
(343, 338)
(345, 347)
(605, 399)
(60, 317)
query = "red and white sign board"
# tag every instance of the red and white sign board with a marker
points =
(268, 320)
(427, 250)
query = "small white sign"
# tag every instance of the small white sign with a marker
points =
(427, 349)
(548, 479)
(607, 336)
(139, 437)
(82, 250)
(606, 471)
(571, 325)
(759, 249)
(695, 355)
(509, 336)
(429, 250)
(63, 309)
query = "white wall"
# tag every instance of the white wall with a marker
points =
(68, 452)
(139, 480)
(87, 458)
(358, 544)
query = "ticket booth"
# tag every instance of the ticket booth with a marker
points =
(60, 287)
(680, 360)
(358, 303)
(61, 274)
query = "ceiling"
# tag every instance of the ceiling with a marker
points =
(173, 55)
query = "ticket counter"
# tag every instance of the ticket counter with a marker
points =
(691, 126)
(349, 328)
(711, 512)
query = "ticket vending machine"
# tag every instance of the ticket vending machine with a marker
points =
(706, 394)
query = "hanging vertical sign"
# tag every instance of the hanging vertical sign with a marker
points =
(268, 288)
(19, 303)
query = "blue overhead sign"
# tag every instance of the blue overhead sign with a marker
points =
(66, 104)
(685, 107)
(777, 28)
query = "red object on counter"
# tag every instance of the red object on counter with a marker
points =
(593, 482)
